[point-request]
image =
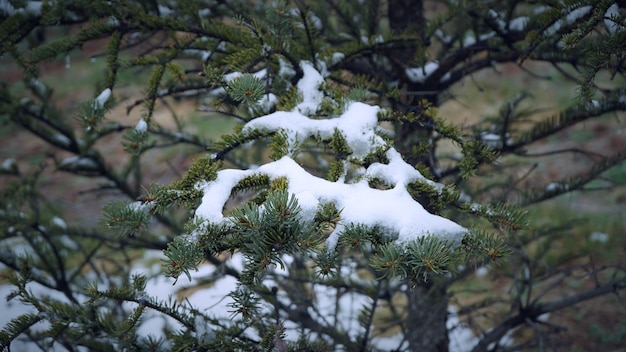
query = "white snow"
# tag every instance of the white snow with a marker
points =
(59, 222)
(112, 21)
(261, 74)
(31, 7)
(336, 58)
(482, 271)
(515, 24)
(204, 55)
(141, 126)
(309, 87)
(595, 104)
(203, 332)
(165, 11)
(62, 139)
(102, 98)
(357, 124)
(556, 186)
(267, 102)
(14, 308)
(317, 22)
(393, 210)
(600, 237)
(8, 164)
(518, 23)
(445, 38)
(571, 15)
(39, 86)
(420, 74)
(204, 12)
(462, 339)
(471, 40)
(575, 14)
(285, 69)
(610, 19)
(491, 140)
(313, 19)
(211, 207)
(78, 163)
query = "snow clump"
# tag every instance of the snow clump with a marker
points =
(393, 210)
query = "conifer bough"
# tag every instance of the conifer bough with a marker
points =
(392, 211)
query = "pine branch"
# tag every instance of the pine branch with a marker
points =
(231, 142)
(112, 58)
(14, 29)
(575, 183)
(309, 32)
(17, 327)
(188, 89)
(368, 317)
(567, 118)
(45, 124)
(531, 313)
(51, 50)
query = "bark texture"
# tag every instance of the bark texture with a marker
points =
(427, 302)
(427, 317)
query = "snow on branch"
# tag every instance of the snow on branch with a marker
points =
(392, 210)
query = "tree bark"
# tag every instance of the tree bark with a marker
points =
(427, 317)
(427, 302)
(407, 17)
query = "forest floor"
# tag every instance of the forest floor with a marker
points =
(598, 324)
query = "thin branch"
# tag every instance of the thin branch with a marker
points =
(534, 311)
(587, 153)
(307, 30)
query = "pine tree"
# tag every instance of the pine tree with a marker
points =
(329, 210)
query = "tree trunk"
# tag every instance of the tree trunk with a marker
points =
(427, 302)
(427, 316)
(407, 17)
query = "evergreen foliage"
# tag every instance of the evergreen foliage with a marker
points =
(308, 270)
